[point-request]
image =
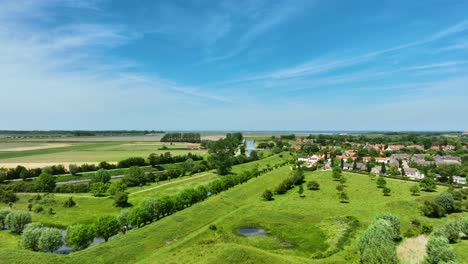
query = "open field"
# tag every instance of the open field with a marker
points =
(88, 207)
(298, 228)
(84, 152)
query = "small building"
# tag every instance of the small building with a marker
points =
(394, 147)
(381, 160)
(413, 173)
(310, 161)
(297, 147)
(347, 166)
(376, 170)
(459, 180)
(396, 157)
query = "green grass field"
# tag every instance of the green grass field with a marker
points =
(81, 152)
(298, 228)
(89, 207)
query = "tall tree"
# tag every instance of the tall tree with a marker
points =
(106, 226)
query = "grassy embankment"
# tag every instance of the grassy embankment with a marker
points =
(298, 228)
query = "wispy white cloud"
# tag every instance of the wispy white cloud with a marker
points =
(263, 20)
(58, 70)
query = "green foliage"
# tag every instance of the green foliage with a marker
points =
(431, 209)
(73, 169)
(17, 220)
(394, 222)
(98, 188)
(446, 201)
(381, 182)
(121, 199)
(222, 154)
(116, 186)
(50, 239)
(8, 197)
(134, 176)
(343, 196)
(45, 182)
(451, 231)
(439, 251)
(386, 191)
(38, 209)
(414, 189)
(428, 184)
(3, 215)
(336, 173)
(313, 185)
(301, 190)
(102, 176)
(342, 179)
(69, 203)
(30, 237)
(376, 244)
(80, 236)
(464, 226)
(106, 226)
(267, 195)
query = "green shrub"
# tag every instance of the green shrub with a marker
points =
(267, 195)
(38, 209)
(313, 185)
(439, 251)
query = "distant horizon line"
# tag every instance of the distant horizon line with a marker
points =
(229, 130)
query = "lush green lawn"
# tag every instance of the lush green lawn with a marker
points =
(89, 207)
(298, 227)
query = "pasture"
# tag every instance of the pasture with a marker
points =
(89, 207)
(300, 229)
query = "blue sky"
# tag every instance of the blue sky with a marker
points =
(234, 65)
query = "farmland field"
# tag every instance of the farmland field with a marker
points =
(46, 154)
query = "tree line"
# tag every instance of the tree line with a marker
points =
(181, 137)
(81, 236)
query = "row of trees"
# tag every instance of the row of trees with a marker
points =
(182, 137)
(80, 236)
(166, 158)
(21, 172)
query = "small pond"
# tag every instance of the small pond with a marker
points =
(249, 232)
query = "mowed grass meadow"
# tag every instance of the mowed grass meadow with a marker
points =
(298, 228)
(82, 152)
(89, 207)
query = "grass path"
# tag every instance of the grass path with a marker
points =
(169, 183)
(412, 250)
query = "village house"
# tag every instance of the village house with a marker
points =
(459, 180)
(435, 147)
(366, 159)
(447, 160)
(413, 173)
(347, 166)
(418, 147)
(297, 147)
(448, 148)
(396, 157)
(376, 170)
(361, 166)
(394, 147)
(381, 160)
(310, 161)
